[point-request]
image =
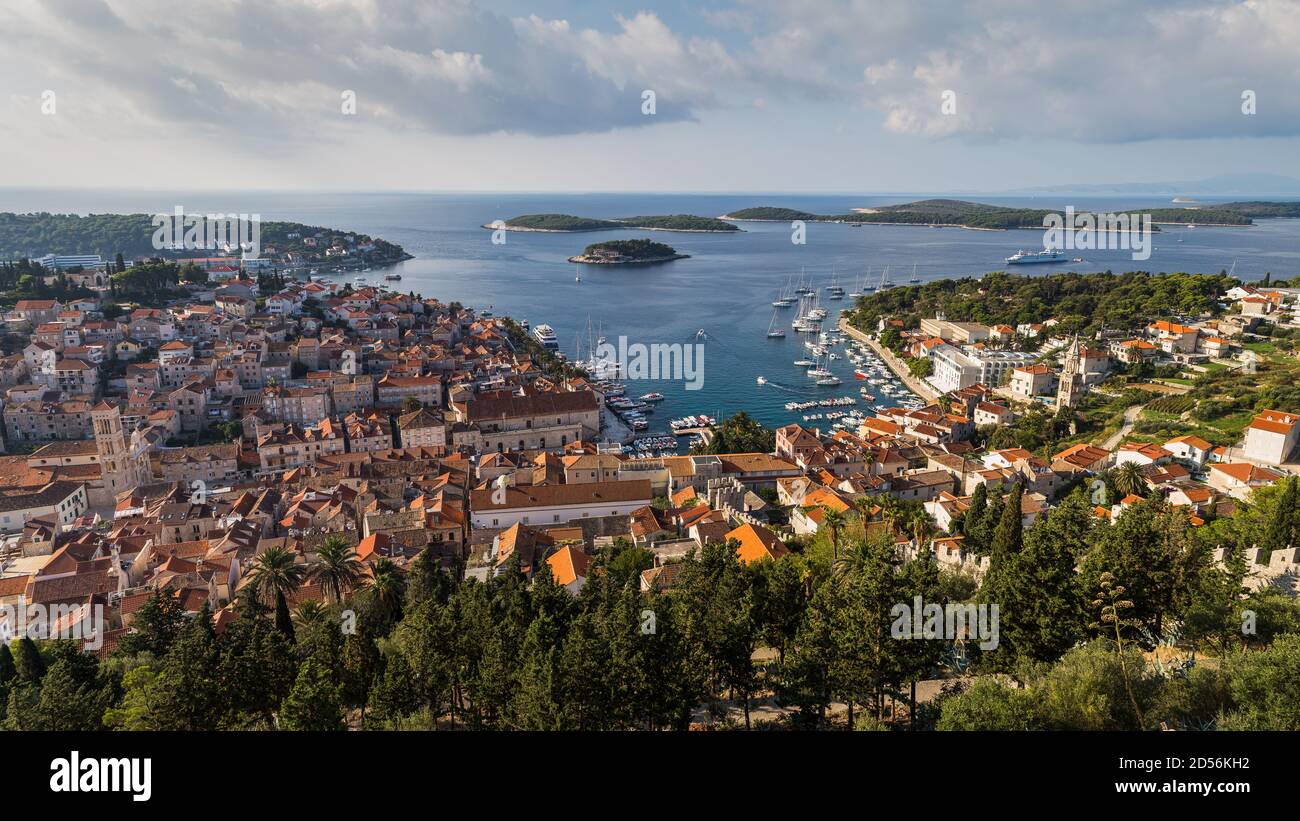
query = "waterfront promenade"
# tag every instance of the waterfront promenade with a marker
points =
(919, 387)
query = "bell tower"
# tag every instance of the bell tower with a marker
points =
(119, 465)
(1071, 387)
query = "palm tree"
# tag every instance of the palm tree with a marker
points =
(275, 576)
(308, 613)
(388, 586)
(834, 520)
(337, 568)
(1129, 480)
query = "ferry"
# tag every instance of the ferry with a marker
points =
(393, 277)
(1023, 257)
(545, 335)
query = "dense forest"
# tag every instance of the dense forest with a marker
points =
(1081, 302)
(1123, 626)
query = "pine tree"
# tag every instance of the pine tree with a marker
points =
(155, 625)
(29, 664)
(314, 704)
(1282, 528)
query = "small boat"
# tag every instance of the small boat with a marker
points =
(762, 380)
(861, 375)
(652, 397)
(804, 363)
(829, 380)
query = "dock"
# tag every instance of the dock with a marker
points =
(919, 387)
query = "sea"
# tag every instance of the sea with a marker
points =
(719, 298)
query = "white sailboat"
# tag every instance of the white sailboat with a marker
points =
(884, 279)
(862, 289)
(773, 330)
(915, 279)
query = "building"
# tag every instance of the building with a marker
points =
(1238, 479)
(955, 369)
(423, 428)
(63, 500)
(1073, 374)
(123, 463)
(1271, 437)
(540, 505)
(60, 262)
(1029, 381)
(961, 333)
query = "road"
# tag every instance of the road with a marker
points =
(1130, 418)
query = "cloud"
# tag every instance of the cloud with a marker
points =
(1108, 71)
(1104, 71)
(442, 66)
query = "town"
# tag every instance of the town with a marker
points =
(239, 444)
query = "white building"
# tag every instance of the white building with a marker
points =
(1271, 437)
(541, 505)
(955, 369)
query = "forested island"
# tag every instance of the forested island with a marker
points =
(627, 252)
(571, 224)
(1080, 302)
(290, 243)
(963, 214)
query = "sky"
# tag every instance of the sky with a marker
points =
(748, 95)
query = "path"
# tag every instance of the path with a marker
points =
(1130, 418)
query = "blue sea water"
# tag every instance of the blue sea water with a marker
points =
(725, 288)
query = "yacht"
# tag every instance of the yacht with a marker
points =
(773, 330)
(829, 380)
(545, 335)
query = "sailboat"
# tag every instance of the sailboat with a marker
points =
(835, 290)
(783, 299)
(577, 274)
(915, 279)
(803, 289)
(773, 331)
(884, 279)
(862, 289)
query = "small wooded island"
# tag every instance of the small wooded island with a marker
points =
(627, 252)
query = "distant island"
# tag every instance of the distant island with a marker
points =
(291, 244)
(627, 252)
(567, 223)
(975, 215)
